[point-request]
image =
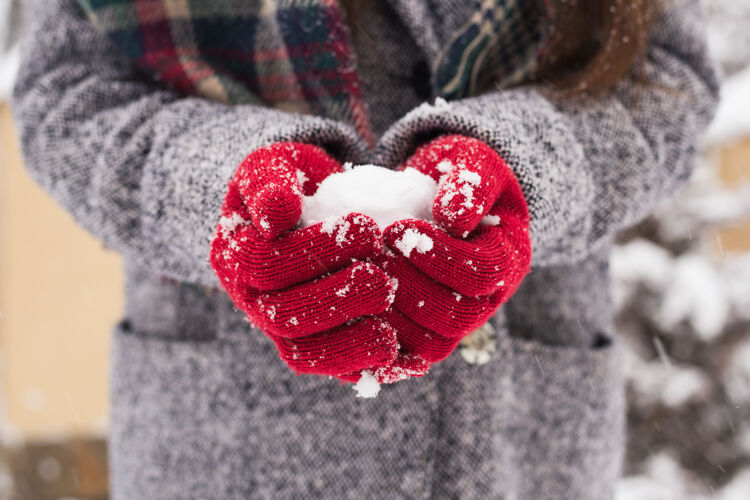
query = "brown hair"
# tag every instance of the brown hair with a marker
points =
(594, 44)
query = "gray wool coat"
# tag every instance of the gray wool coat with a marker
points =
(201, 405)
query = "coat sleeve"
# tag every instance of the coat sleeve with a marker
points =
(589, 166)
(140, 167)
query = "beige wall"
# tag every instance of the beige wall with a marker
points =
(60, 292)
(734, 168)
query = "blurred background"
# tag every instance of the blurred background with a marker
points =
(682, 290)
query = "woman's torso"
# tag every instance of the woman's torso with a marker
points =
(203, 408)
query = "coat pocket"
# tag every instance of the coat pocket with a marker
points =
(227, 419)
(564, 425)
(161, 307)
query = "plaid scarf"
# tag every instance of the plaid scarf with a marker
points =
(501, 43)
(297, 55)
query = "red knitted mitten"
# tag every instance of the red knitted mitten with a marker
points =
(311, 290)
(453, 275)
(404, 366)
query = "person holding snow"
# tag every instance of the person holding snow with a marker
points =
(185, 135)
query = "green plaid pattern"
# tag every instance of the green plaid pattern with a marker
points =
(293, 55)
(501, 42)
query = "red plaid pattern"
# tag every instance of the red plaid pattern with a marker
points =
(293, 55)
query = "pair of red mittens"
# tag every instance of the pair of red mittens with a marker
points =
(335, 300)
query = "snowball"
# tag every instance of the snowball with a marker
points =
(383, 194)
(367, 386)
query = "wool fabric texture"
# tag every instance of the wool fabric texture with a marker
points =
(201, 405)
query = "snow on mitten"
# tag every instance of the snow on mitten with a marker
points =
(311, 290)
(405, 365)
(453, 274)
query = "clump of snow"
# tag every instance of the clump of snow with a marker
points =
(10, 56)
(367, 386)
(696, 294)
(441, 103)
(444, 166)
(737, 374)
(663, 479)
(664, 384)
(738, 487)
(329, 224)
(472, 178)
(229, 224)
(301, 178)
(462, 184)
(728, 36)
(732, 119)
(735, 274)
(383, 194)
(439, 106)
(641, 261)
(9, 64)
(343, 229)
(413, 239)
(685, 386)
(272, 312)
(694, 290)
(392, 294)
